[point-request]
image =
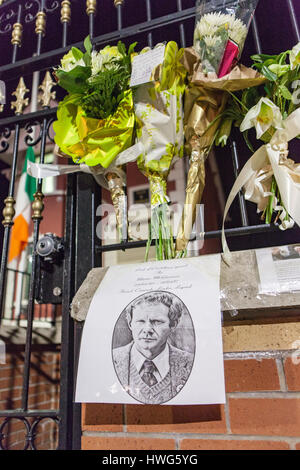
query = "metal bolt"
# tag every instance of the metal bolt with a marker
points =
(57, 291)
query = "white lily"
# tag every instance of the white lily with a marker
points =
(295, 56)
(262, 116)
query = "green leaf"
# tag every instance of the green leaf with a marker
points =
(87, 59)
(258, 66)
(248, 143)
(131, 48)
(77, 53)
(250, 97)
(122, 48)
(269, 89)
(74, 81)
(88, 45)
(268, 74)
(285, 92)
(263, 57)
(282, 57)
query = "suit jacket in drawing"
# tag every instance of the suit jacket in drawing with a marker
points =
(181, 363)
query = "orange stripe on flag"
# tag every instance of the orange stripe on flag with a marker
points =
(19, 237)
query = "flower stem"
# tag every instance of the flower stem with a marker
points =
(269, 208)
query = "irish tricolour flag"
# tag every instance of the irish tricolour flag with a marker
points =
(25, 192)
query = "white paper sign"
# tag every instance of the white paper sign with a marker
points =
(144, 65)
(153, 335)
(279, 269)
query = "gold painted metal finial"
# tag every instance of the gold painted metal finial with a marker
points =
(16, 36)
(8, 211)
(20, 102)
(118, 2)
(91, 7)
(40, 23)
(65, 12)
(47, 94)
(37, 206)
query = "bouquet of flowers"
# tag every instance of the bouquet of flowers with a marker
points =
(270, 179)
(95, 121)
(207, 95)
(220, 32)
(159, 114)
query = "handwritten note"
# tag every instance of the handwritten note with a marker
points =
(143, 65)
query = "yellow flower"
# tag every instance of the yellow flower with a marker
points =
(262, 116)
(112, 52)
(295, 56)
(68, 62)
(107, 59)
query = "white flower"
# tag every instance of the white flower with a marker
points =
(210, 41)
(295, 56)
(237, 31)
(210, 25)
(106, 59)
(97, 62)
(68, 62)
(262, 116)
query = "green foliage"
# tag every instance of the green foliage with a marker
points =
(101, 94)
(88, 45)
(77, 53)
(278, 88)
(74, 81)
(105, 92)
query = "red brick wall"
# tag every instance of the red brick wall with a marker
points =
(262, 412)
(43, 394)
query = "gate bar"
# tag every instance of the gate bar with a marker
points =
(294, 19)
(229, 232)
(8, 225)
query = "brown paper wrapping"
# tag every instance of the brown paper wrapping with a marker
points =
(205, 99)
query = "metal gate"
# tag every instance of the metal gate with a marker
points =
(35, 34)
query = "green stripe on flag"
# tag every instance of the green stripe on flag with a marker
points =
(30, 183)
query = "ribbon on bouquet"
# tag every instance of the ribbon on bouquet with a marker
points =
(42, 170)
(112, 178)
(270, 160)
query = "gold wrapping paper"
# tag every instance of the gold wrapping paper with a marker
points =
(118, 197)
(194, 191)
(205, 100)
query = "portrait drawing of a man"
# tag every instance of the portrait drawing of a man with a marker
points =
(150, 368)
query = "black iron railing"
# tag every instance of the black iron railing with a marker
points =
(82, 249)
